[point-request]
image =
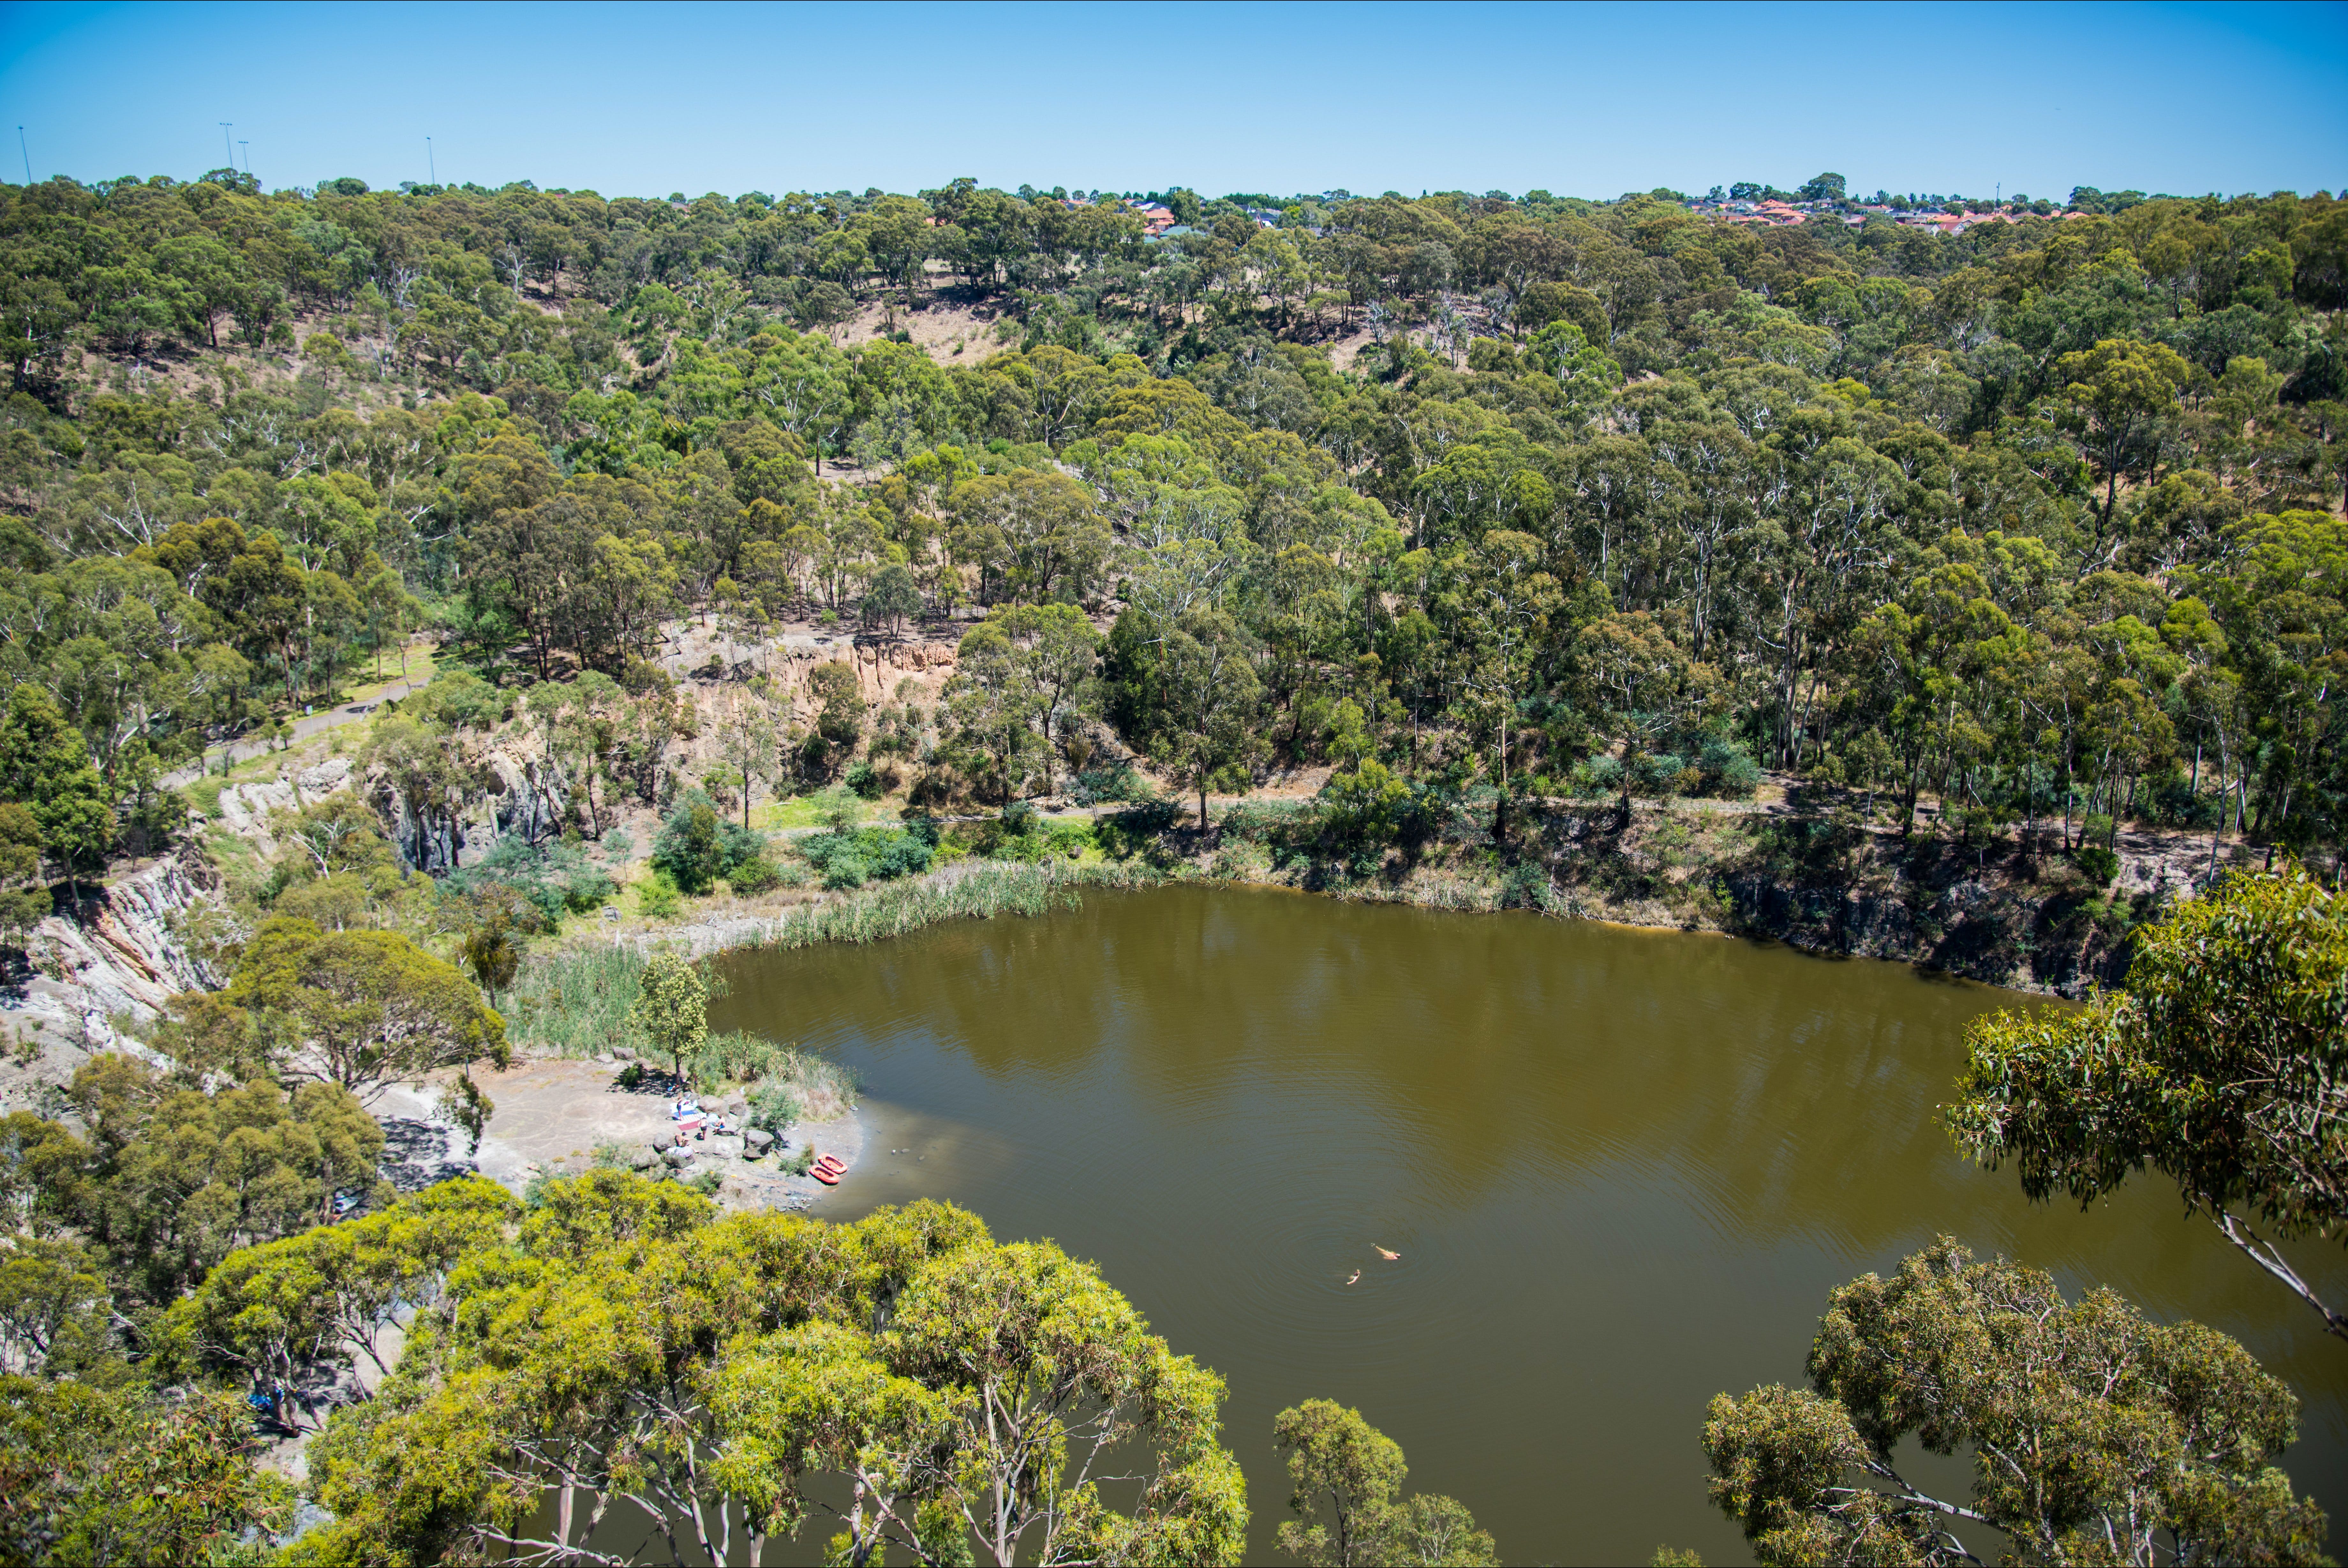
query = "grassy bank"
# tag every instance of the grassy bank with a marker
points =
(2007, 913)
(573, 999)
(970, 890)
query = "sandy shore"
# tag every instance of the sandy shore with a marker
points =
(552, 1114)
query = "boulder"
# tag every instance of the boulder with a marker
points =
(624, 1054)
(643, 1160)
(738, 1107)
(757, 1140)
(678, 1157)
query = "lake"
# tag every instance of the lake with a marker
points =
(1624, 1168)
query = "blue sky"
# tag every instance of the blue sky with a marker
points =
(1589, 100)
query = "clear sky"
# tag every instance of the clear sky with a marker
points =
(1589, 100)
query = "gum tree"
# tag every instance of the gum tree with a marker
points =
(2223, 1066)
(2096, 1434)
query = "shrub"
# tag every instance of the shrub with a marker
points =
(689, 849)
(1598, 776)
(1099, 786)
(870, 854)
(1070, 836)
(1135, 830)
(2100, 864)
(1728, 770)
(791, 1083)
(754, 876)
(773, 1108)
(1367, 806)
(864, 780)
(696, 846)
(1657, 771)
(658, 896)
(555, 878)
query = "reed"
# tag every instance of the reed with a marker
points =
(970, 890)
(573, 1000)
(817, 1088)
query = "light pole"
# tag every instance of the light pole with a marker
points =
(224, 144)
(28, 157)
(430, 167)
(248, 153)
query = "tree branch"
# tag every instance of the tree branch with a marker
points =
(2262, 1252)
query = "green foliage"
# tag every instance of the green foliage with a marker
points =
(989, 1351)
(773, 1107)
(1105, 786)
(94, 1475)
(851, 859)
(1368, 806)
(555, 878)
(270, 1315)
(171, 1179)
(573, 1000)
(2219, 1066)
(658, 897)
(1346, 1476)
(671, 1010)
(755, 874)
(362, 1008)
(45, 768)
(2101, 865)
(2110, 1434)
(696, 845)
(785, 1074)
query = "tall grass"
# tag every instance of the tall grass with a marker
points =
(574, 1001)
(970, 890)
(783, 1082)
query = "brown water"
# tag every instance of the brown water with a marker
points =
(1624, 1168)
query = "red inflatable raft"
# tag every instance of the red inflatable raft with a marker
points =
(829, 1170)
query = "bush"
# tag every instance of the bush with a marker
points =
(1728, 770)
(1367, 806)
(864, 780)
(658, 896)
(869, 854)
(555, 878)
(689, 849)
(1099, 786)
(1136, 830)
(696, 846)
(2100, 864)
(1598, 776)
(791, 1084)
(1657, 773)
(773, 1108)
(753, 876)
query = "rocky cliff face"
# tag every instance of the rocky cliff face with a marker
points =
(122, 959)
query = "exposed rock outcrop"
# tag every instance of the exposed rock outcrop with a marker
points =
(127, 955)
(246, 809)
